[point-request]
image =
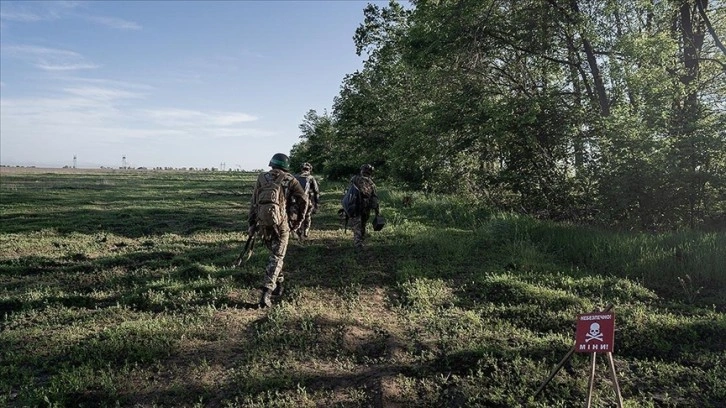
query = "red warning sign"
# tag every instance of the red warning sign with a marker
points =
(595, 333)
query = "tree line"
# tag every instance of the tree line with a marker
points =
(609, 111)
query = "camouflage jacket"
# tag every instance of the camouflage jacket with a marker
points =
(291, 188)
(314, 189)
(368, 189)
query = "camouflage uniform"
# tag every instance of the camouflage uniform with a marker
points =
(276, 239)
(371, 203)
(313, 200)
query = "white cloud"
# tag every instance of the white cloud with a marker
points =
(113, 22)
(81, 106)
(36, 50)
(55, 113)
(48, 126)
(109, 83)
(20, 16)
(32, 12)
(226, 119)
(173, 117)
(241, 132)
(105, 94)
(100, 114)
(50, 59)
(65, 66)
(183, 117)
(101, 119)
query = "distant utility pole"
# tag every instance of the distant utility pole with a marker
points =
(123, 162)
(74, 161)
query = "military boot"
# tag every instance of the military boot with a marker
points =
(265, 300)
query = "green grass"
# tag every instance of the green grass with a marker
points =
(116, 290)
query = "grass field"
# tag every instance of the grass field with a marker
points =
(116, 289)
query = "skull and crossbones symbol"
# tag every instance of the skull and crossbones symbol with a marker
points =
(594, 333)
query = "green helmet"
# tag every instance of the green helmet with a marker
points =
(280, 161)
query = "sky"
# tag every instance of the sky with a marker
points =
(200, 84)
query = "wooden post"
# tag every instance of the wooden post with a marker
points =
(616, 386)
(557, 368)
(591, 383)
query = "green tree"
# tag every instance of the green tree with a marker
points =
(562, 108)
(317, 144)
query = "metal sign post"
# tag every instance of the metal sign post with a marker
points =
(595, 333)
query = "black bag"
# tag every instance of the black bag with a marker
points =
(352, 201)
(378, 222)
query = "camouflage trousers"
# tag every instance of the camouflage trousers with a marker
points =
(307, 222)
(358, 225)
(277, 244)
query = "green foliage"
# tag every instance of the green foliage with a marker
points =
(317, 134)
(605, 112)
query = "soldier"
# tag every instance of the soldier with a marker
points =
(310, 185)
(268, 217)
(367, 200)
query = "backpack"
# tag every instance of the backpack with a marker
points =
(271, 200)
(357, 196)
(352, 201)
(365, 185)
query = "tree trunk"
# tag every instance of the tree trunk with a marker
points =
(600, 91)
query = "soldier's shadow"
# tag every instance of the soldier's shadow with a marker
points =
(247, 305)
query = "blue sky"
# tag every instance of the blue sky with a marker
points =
(167, 83)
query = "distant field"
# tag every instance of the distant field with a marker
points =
(116, 289)
(37, 170)
(41, 170)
